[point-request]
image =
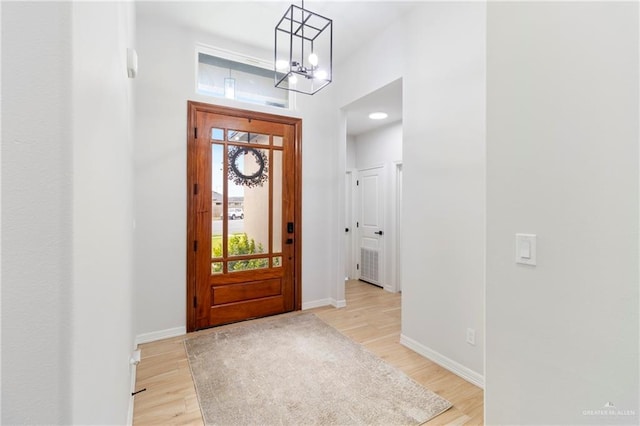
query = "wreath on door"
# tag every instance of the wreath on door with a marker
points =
(254, 179)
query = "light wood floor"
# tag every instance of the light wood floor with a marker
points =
(371, 318)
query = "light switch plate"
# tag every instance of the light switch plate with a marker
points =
(526, 249)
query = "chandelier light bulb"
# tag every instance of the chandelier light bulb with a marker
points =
(321, 75)
(281, 64)
(313, 59)
(293, 79)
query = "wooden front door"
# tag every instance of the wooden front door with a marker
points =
(243, 215)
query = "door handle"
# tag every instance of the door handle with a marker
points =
(378, 232)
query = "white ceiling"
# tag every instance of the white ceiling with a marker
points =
(253, 22)
(386, 99)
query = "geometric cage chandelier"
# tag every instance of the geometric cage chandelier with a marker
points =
(303, 54)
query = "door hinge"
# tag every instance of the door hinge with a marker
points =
(195, 132)
(195, 301)
(195, 245)
(357, 224)
(195, 189)
(357, 183)
(358, 266)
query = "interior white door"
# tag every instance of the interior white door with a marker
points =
(370, 225)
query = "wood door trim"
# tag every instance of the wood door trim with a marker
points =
(243, 113)
(192, 109)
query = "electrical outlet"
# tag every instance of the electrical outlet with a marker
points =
(471, 336)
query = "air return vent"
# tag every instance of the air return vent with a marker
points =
(369, 265)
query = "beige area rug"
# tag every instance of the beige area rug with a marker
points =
(297, 370)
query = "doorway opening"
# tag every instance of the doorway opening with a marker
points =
(372, 187)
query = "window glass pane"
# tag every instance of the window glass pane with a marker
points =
(225, 78)
(277, 261)
(217, 134)
(246, 265)
(216, 268)
(248, 186)
(216, 199)
(276, 175)
(277, 140)
(216, 243)
(255, 138)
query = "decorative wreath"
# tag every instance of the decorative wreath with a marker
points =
(255, 179)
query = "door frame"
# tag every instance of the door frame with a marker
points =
(397, 222)
(350, 223)
(193, 108)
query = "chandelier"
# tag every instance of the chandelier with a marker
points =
(303, 51)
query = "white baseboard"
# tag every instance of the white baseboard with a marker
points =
(324, 302)
(338, 303)
(316, 304)
(159, 335)
(451, 365)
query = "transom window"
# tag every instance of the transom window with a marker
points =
(224, 74)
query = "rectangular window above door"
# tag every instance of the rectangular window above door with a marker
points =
(224, 74)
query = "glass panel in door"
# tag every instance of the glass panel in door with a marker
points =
(247, 217)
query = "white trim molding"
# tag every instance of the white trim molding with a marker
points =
(316, 304)
(451, 365)
(159, 335)
(324, 302)
(391, 288)
(338, 303)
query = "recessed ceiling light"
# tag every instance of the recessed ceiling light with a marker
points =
(378, 115)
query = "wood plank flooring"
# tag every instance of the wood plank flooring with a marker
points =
(371, 318)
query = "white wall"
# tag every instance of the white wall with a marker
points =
(562, 337)
(380, 146)
(383, 147)
(439, 51)
(166, 82)
(36, 216)
(322, 177)
(444, 185)
(102, 136)
(67, 211)
(351, 152)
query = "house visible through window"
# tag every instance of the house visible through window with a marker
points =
(221, 75)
